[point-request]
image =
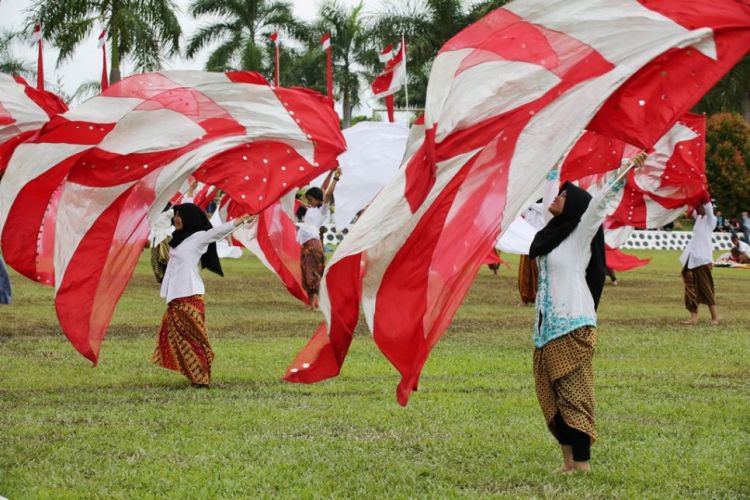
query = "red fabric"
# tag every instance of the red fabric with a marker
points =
(105, 76)
(592, 154)
(39, 67)
(620, 261)
(653, 99)
(278, 242)
(329, 66)
(389, 106)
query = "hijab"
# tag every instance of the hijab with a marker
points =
(194, 219)
(550, 236)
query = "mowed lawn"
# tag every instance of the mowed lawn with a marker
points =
(673, 402)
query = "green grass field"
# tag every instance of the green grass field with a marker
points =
(673, 402)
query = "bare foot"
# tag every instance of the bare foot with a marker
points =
(564, 469)
(690, 322)
(583, 467)
(715, 321)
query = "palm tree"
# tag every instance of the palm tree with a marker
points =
(142, 30)
(9, 62)
(348, 29)
(242, 28)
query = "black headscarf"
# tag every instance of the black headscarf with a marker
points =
(194, 219)
(550, 236)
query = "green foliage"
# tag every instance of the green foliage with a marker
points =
(728, 162)
(143, 31)
(731, 93)
(672, 401)
(241, 27)
(9, 63)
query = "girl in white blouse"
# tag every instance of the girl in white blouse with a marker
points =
(183, 340)
(312, 258)
(570, 252)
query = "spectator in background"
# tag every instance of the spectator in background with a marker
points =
(745, 219)
(697, 260)
(721, 222)
(740, 250)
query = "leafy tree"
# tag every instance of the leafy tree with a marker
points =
(241, 28)
(9, 62)
(143, 31)
(728, 161)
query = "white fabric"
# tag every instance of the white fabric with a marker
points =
(519, 235)
(161, 228)
(182, 277)
(315, 217)
(699, 251)
(374, 153)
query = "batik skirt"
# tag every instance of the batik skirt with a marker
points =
(699, 287)
(564, 380)
(312, 262)
(183, 340)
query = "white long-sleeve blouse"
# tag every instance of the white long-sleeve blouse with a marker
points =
(563, 301)
(182, 277)
(699, 251)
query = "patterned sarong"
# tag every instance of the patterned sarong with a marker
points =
(312, 262)
(699, 287)
(183, 340)
(564, 380)
(528, 277)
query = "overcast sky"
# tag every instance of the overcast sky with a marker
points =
(85, 65)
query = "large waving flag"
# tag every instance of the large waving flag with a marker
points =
(507, 97)
(23, 111)
(76, 198)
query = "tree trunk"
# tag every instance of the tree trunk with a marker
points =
(746, 107)
(114, 49)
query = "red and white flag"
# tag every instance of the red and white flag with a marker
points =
(390, 80)
(274, 37)
(36, 37)
(507, 97)
(102, 44)
(326, 41)
(672, 180)
(23, 111)
(76, 199)
(386, 54)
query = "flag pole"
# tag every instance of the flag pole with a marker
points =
(406, 71)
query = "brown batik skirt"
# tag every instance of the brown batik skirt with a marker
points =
(564, 380)
(528, 276)
(183, 340)
(312, 262)
(699, 287)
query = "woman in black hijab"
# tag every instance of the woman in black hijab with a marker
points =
(183, 339)
(570, 254)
